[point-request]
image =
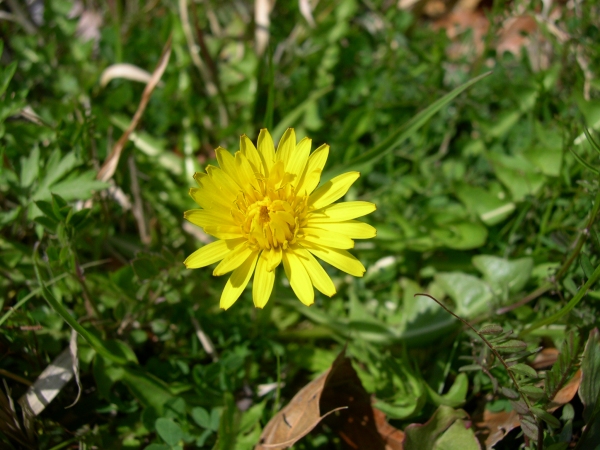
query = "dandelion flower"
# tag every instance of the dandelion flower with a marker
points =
(265, 209)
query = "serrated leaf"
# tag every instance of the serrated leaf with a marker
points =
(524, 369)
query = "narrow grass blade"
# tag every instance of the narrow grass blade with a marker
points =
(401, 134)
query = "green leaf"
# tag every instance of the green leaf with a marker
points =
(589, 390)
(583, 162)
(168, 430)
(46, 208)
(518, 175)
(95, 342)
(6, 75)
(292, 117)
(548, 159)
(402, 133)
(430, 436)
(456, 395)
(79, 187)
(201, 417)
(591, 140)
(533, 392)
(586, 265)
(524, 369)
(56, 168)
(460, 436)
(461, 235)
(488, 207)
(148, 389)
(471, 295)
(492, 329)
(504, 274)
(509, 393)
(514, 345)
(30, 168)
(546, 417)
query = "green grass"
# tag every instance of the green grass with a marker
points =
(486, 189)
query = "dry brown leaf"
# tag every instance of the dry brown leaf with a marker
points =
(110, 164)
(514, 34)
(544, 359)
(496, 425)
(337, 390)
(393, 437)
(566, 394)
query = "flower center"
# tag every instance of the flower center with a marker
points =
(272, 218)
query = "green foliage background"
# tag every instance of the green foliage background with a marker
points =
(480, 206)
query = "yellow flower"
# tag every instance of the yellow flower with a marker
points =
(263, 208)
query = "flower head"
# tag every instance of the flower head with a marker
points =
(265, 209)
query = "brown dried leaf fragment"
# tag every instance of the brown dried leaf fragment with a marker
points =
(339, 391)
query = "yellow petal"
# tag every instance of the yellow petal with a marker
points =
(238, 281)
(286, 146)
(329, 238)
(274, 258)
(317, 274)
(312, 172)
(204, 218)
(246, 177)
(222, 183)
(332, 190)
(234, 259)
(198, 177)
(342, 211)
(337, 258)
(266, 148)
(224, 232)
(298, 159)
(249, 151)
(211, 253)
(264, 279)
(226, 162)
(209, 196)
(299, 278)
(352, 229)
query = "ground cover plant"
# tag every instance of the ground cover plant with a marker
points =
(469, 321)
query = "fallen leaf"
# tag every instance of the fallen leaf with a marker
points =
(494, 426)
(515, 34)
(50, 382)
(566, 393)
(337, 390)
(545, 358)
(393, 437)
